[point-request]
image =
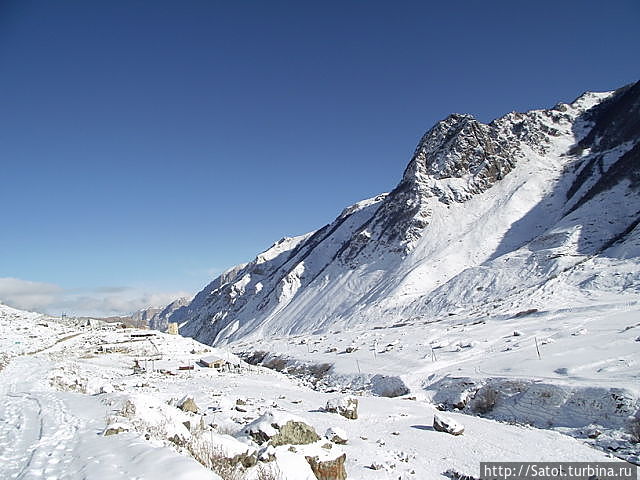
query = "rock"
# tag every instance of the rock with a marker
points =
(345, 406)
(595, 433)
(280, 428)
(447, 425)
(337, 435)
(387, 386)
(115, 429)
(328, 469)
(294, 433)
(187, 404)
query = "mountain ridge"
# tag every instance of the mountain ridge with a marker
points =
(472, 197)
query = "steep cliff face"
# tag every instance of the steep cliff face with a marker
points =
(482, 212)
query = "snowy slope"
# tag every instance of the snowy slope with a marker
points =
(57, 405)
(533, 210)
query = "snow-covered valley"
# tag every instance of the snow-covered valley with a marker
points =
(79, 407)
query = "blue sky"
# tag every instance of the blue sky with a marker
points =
(146, 146)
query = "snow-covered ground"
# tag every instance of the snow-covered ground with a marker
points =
(574, 370)
(65, 387)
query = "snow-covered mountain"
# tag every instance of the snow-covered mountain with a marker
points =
(532, 210)
(160, 318)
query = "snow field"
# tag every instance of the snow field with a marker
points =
(60, 432)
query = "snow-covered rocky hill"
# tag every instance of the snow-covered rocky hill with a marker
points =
(535, 210)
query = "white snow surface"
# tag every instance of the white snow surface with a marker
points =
(53, 417)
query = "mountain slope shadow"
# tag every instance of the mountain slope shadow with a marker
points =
(599, 189)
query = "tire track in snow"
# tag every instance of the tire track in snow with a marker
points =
(41, 426)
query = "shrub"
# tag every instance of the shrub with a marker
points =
(214, 459)
(634, 429)
(484, 400)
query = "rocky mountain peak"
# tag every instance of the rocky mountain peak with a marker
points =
(459, 157)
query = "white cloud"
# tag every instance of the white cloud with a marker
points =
(27, 295)
(100, 301)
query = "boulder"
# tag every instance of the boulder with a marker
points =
(187, 404)
(447, 425)
(294, 433)
(115, 429)
(345, 406)
(280, 428)
(331, 469)
(388, 386)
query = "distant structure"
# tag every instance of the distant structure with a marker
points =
(172, 328)
(212, 362)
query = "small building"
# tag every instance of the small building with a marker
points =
(172, 328)
(213, 362)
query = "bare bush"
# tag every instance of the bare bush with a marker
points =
(270, 472)
(214, 459)
(484, 400)
(634, 429)
(224, 429)
(276, 363)
(319, 370)
(256, 358)
(4, 360)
